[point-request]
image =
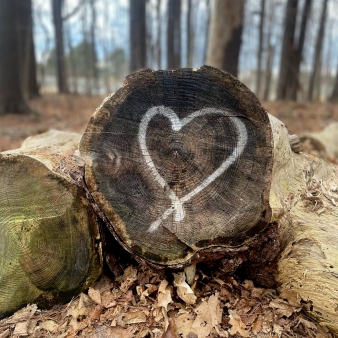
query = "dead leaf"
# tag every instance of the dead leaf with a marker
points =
(96, 313)
(49, 325)
(113, 332)
(184, 321)
(95, 295)
(108, 299)
(237, 326)
(257, 325)
(307, 323)
(190, 272)
(134, 317)
(5, 334)
(171, 330)
(283, 308)
(21, 329)
(81, 307)
(209, 315)
(103, 284)
(164, 295)
(23, 314)
(184, 291)
(248, 284)
(128, 278)
(291, 296)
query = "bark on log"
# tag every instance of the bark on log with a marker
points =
(49, 239)
(180, 163)
(304, 199)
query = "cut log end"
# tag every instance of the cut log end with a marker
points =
(48, 233)
(180, 162)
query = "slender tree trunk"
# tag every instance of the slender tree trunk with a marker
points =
(159, 33)
(225, 37)
(33, 86)
(174, 34)
(60, 54)
(334, 96)
(190, 35)
(93, 55)
(24, 24)
(287, 56)
(206, 31)
(268, 71)
(11, 97)
(87, 53)
(137, 34)
(260, 48)
(318, 52)
(294, 75)
(72, 62)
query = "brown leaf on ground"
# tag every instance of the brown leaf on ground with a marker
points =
(209, 315)
(164, 295)
(128, 278)
(184, 290)
(171, 330)
(237, 325)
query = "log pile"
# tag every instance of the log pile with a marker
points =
(183, 167)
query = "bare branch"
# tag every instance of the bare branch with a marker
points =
(74, 11)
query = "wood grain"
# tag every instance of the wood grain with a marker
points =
(48, 230)
(180, 161)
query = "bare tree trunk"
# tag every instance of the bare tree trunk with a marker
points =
(24, 24)
(294, 80)
(260, 48)
(318, 50)
(334, 96)
(207, 30)
(159, 33)
(73, 66)
(60, 53)
(190, 35)
(47, 42)
(225, 35)
(268, 71)
(93, 55)
(33, 86)
(287, 55)
(11, 98)
(87, 53)
(137, 34)
(174, 34)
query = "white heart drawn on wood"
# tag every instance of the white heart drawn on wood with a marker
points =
(177, 124)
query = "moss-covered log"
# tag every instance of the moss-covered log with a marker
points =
(49, 239)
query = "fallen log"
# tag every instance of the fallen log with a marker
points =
(323, 144)
(49, 239)
(304, 200)
(180, 163)
(187, 166)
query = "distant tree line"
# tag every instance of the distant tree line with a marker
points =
(165, 34)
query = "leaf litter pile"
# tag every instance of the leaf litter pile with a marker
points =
(143, 302)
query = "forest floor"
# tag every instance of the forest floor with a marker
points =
(141, 302)
(72, 113)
